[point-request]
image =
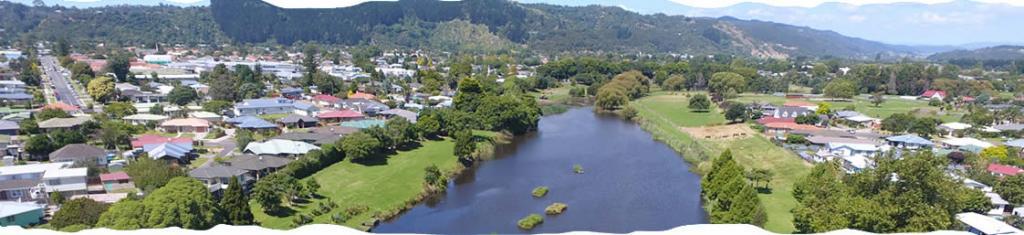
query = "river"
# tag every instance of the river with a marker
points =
(631, 183)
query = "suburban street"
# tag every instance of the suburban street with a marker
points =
(61, 86)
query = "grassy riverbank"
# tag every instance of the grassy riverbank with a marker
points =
(384, 189)
(665, 115)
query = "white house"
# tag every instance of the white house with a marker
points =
(32, 182)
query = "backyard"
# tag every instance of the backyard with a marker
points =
(665, 116)
(382, 188)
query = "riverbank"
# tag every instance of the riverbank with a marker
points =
(377, 192)
(665, 115)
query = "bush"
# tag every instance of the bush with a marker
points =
(629, 112)
(556, 208)
(75, 228)
(796, 139)
(577, 169)
(540, 191)
(302, 219)
(700, 103)
(530, 221)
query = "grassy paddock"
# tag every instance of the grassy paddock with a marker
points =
(665, 114)
(862, 104)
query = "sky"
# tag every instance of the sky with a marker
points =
(907, 22)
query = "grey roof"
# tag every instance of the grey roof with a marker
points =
(364, 105)
(215, 171)
(77, 152)
(295, 118)
(1019, 143)
(256, 163)
(63, 122)
(15, 96)
(291, 90)
(847, 113)
(1009, 127)
(911, 139)
(825, 140)
(8, 125)
(408, 115)
(824, 132)
(18, 184)
(313, 138)
(339, 130)
(251, 122)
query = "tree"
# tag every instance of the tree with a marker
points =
(119, 65)
(243, 137)
(126, 214)
(56, 198)
(115, 133)
(736, 112)
(823, 109)
(83, 211)
(432, 175)
(235, 204)
(464, 145)
(48, 113)
(360, 146)
(994, 153)
(182, 95)
(310, 62)
(1011, 188)
(39, 145)
(897, 122)
(400, 131)
(844, 89)
(157, 109)
(101, 89)
(118, 110)
(700, 103)
(428, 125)
(310, 188)
(217, 106)
(610, 97)
(274, 189)
(877, 99)
(469, 96)
(149, 174)
(808, 119)
(28, 126)
(721, 82)
(675, 83)
(184, 202)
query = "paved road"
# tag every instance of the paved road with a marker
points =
(61, 84)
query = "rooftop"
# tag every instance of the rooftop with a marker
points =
(77, 152)
(193, 122)
(115, 176)
(215, 171)
(279, 147)
(63, 122)
(16, 208)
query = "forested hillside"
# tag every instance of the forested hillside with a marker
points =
(462, 26)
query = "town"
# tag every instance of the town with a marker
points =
(473, 126)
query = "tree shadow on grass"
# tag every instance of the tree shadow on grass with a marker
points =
(764, 190)
(282, 212)
(376, 160)
(410, 146)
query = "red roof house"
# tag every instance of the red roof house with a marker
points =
(361, 95)
(1004, 170)
(143, 140)
(62, 106)
(326, 100)
(340, 115)
(115, 177)
(934, 94)
(766, 120)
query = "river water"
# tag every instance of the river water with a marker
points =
(631, 183)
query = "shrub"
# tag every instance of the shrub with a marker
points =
(629, 112)
(530, 221)
(302, 219)
(556, 208)
(577, 169)
(796, 139)
(540, 191)
(339, 218)
(74, 228)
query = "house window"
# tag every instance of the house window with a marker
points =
(16, 194)
(54, 182)
(10, 219)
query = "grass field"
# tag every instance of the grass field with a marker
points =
(664, 114)
(863, 105)
(382, 188)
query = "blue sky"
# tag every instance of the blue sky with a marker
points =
(912, 22)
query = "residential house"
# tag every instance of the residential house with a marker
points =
(193, 125)
(1016, 143)
(298, 121)
(24, 214)
(258, 166)
(367, 106)
(150, 139)
(291, 93)
(909, 141)
(1000, 206)
(264, 106)
(933, 94)
(1004, 170)
(144, 118)
(340, 116)
(791, 112)
(984, 225)
(327, 101)
(80, 153)
(408, 115)
(216, 177)
(70, 109)
(172, 153)
(35, 181)
(252, 123)
(208, 116)
(361, 95)
(967, 144)
(116, 182)
(780, 129)
(863, 120)
(71, 123)
(334, 130)
(279, 147)
(144, 97)
(9, 127)
(1012, 127)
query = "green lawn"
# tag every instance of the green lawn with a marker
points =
(382, 188)
(198, 162)
(674, 108)
(664, 114)
(863, 105)
(273, 117)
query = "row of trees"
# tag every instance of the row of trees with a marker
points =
(621, 89)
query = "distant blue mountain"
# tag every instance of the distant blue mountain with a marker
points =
(100, 3)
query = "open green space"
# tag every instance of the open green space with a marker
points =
(382, 188)
(664, 115)
(863, 105)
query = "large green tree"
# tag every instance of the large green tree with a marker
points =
(101, 89)
(841, 88)
(1012, 189)
(182, 95)
(184, 202)
(235, 204)
(81, 211)
(149, 174)
(360, 146)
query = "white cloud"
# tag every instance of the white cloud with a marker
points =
(857, 18)
(813, 3)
